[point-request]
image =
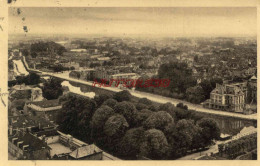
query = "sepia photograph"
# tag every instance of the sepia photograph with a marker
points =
(132, 83)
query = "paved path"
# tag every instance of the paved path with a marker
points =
(212, 149)
(157, 98)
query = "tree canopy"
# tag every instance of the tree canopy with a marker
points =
(123, 96)
(52, 89)
(128, 110)
(115, 126)
(158, 120)
(154, 144)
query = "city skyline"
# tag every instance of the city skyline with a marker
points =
(161, 22)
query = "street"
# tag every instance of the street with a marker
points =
(156, 98)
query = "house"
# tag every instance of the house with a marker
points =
(29, 123)
(88, 152)
(27, 146)
(64, 146)
(252, 90)
(23, 91)
(227, 97)
(49, 108)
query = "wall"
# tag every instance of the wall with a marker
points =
(14, 150)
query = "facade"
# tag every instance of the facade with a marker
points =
(238, 97)
(45, 107)
(252, 90)
(27, 146)
(227, 97)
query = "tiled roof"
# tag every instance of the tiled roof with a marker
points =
(29, 139)
(85, 151)
(29, 121)
(47, 133)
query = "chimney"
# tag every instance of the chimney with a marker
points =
(25, 147)
(11, 130)
(14, 139)
(18, 143)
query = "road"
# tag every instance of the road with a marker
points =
(212, 149)
(156, 98)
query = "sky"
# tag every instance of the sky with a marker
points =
(174, 21)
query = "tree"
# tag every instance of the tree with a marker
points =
(75, 116)
(145, 101)
(52, 89)
(210, 130)
(142, 115)
(154, 145)
(100, 117)
(115, 126)
(181, 105)
(123, 96)
(209, 85)
(130, 144)
(179, 74)
(128, 110)
(110, 102)
(140, 106)
(33, 79)
(100, 99)
(158, 120)
(196, 58)
(169, 108)
(186, 131)
(195, 94)
(152, 108)
(25, 52)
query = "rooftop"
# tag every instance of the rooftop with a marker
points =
(33, 142)
(29, 121)
(46, 103)
(85, 151)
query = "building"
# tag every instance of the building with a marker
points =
(26, 123)
(104, 73)
(48, 108)
(89, 152)
(252, 90)
(27, 146)
(227, 97)
(78, 50)
(125, 76)
(64, 146)
(50, 144)
(23, 91)
(132, 77)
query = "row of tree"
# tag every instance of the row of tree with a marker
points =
(31, 79)
(127, 128)
(50, 47)
(238, 147)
